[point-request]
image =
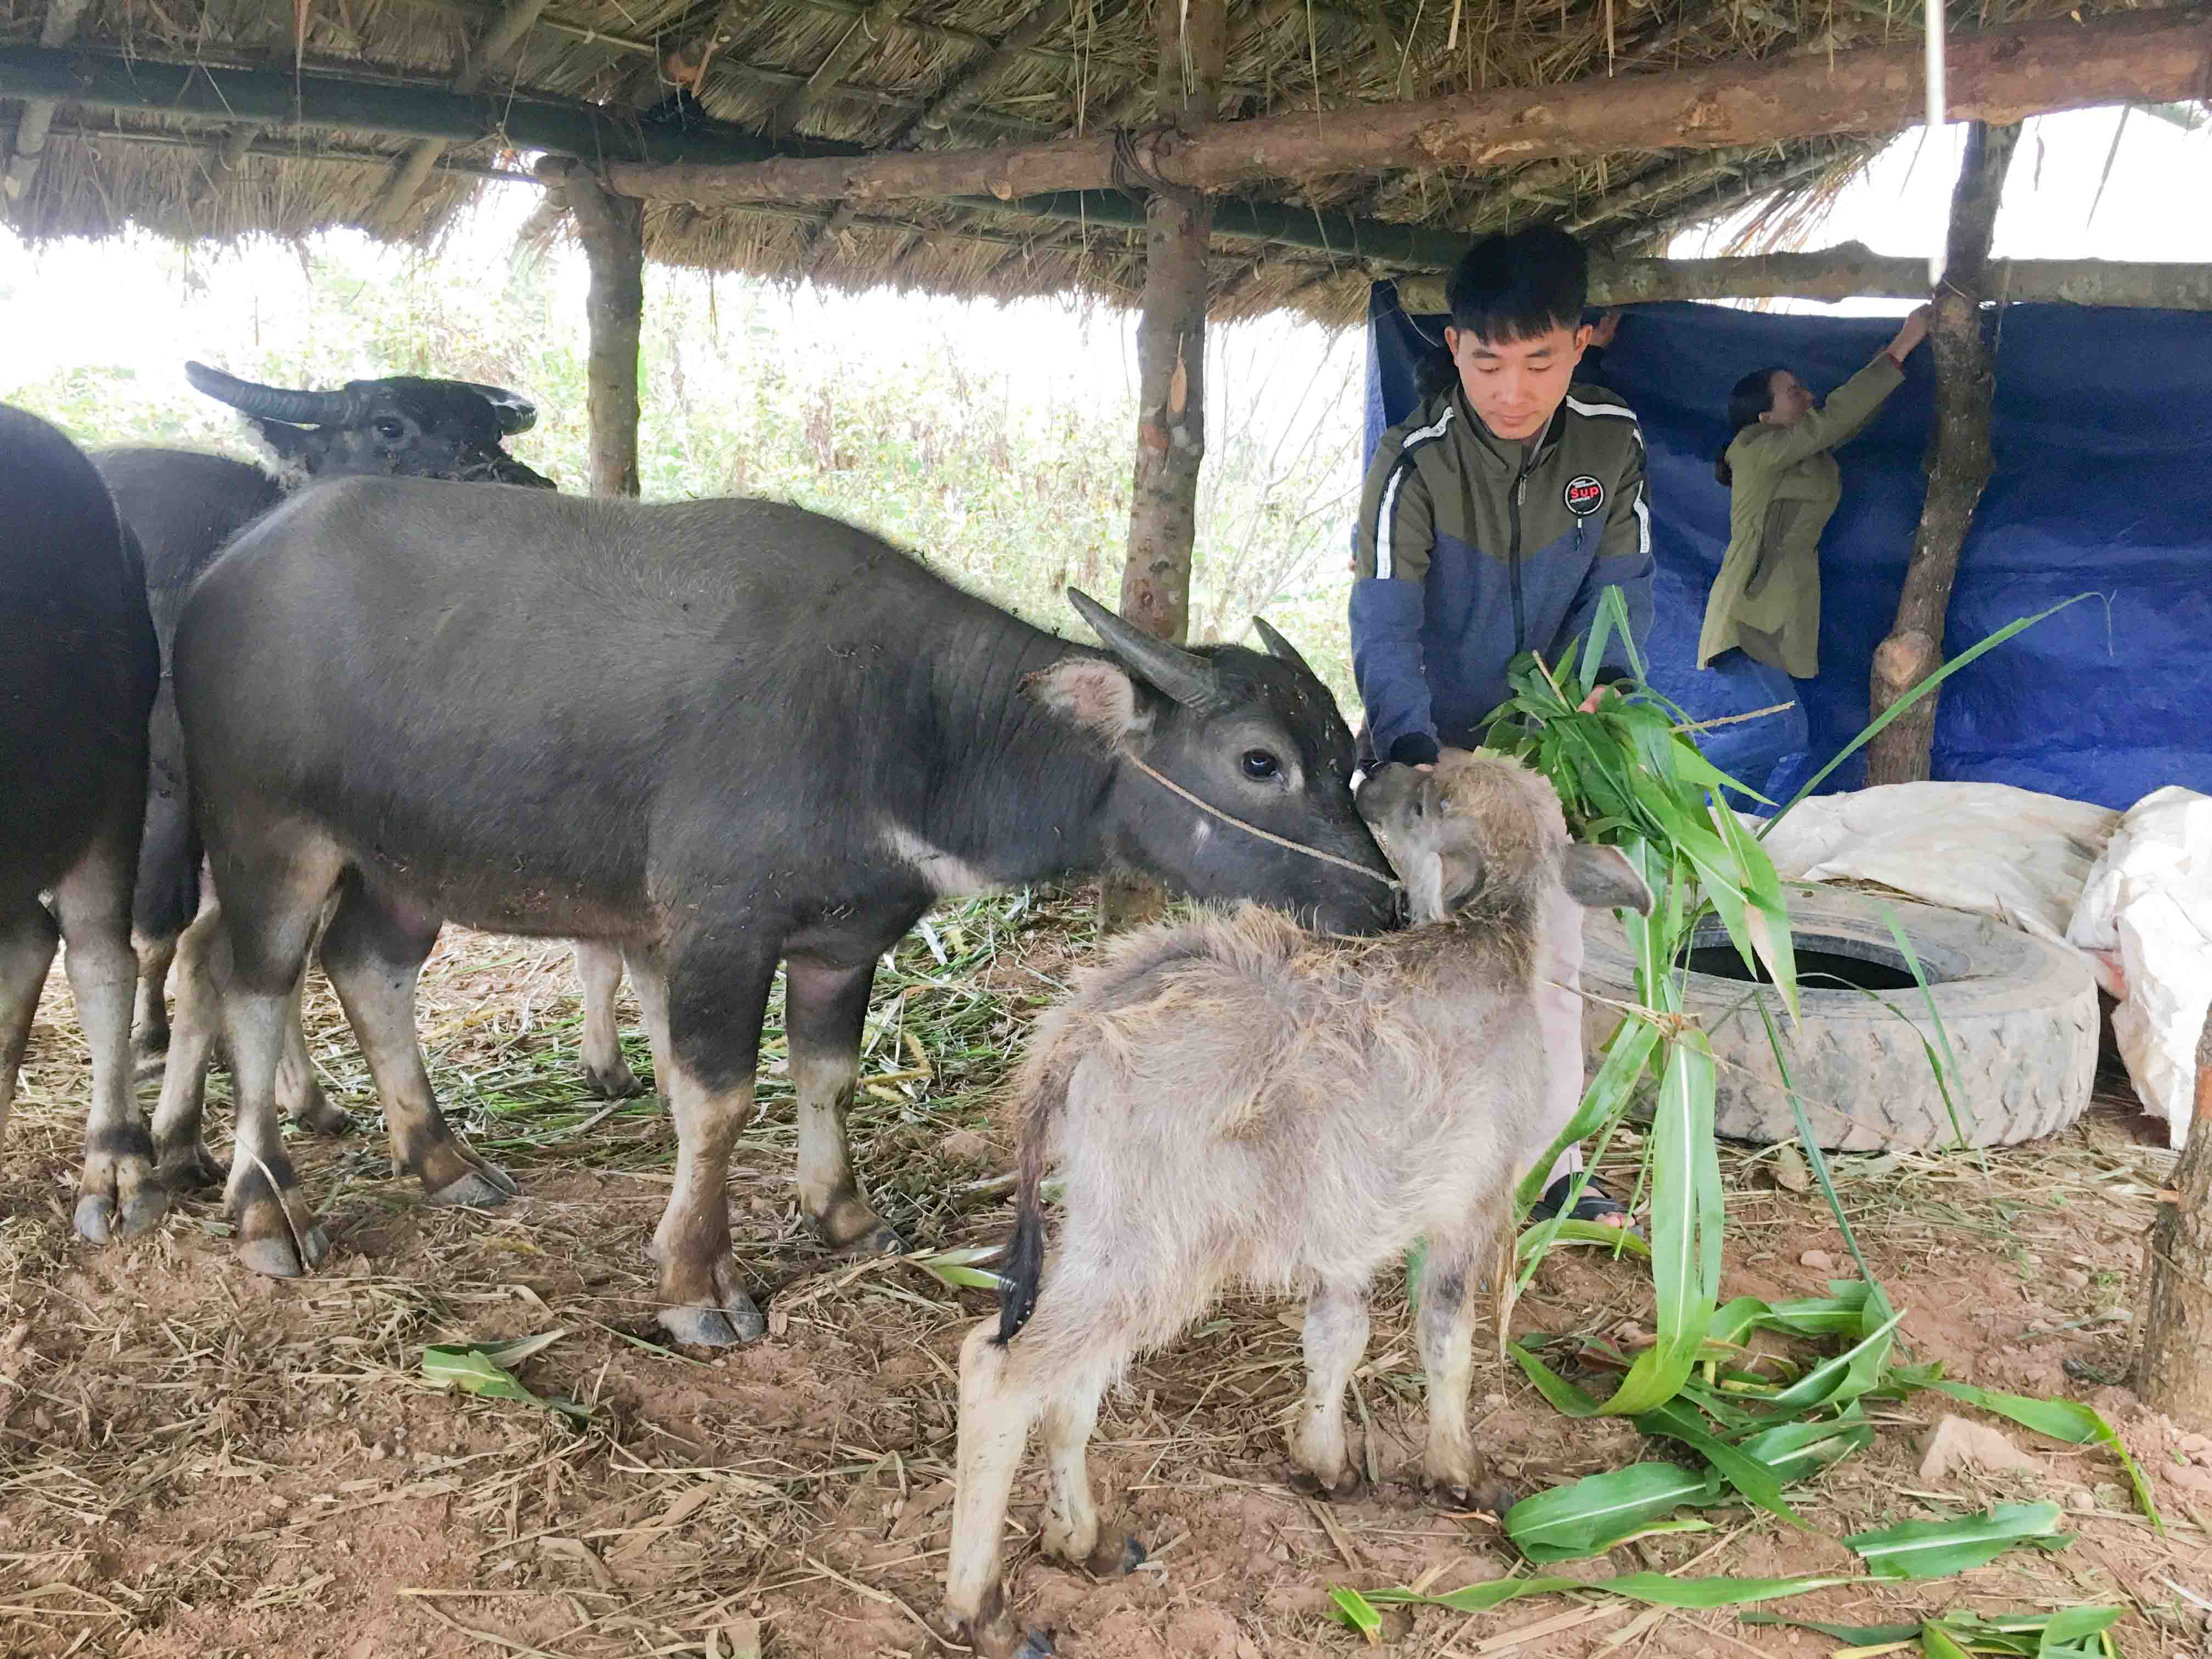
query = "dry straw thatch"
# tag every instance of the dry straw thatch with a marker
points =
(933, 74)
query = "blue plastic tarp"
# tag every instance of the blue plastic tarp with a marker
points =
(2102, 441)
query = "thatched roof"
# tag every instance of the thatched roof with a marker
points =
(928, 74)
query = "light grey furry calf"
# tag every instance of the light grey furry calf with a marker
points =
(1235, 1100)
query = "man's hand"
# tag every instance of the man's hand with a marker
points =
(1910, 336)
(1601, 331)
(1597, 696)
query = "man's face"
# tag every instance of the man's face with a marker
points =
(1517, 386)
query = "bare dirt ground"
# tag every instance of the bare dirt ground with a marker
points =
(194, 1461)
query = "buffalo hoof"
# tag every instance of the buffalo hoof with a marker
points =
(1480, 1496)
(98, 1220)
(994, 1635)
(847, 1223)
(482, 1187)
(192, 1169)
(285, 1257)
(1348, 1484)
(616, 1082)
(318, 1116)
(1117, 1556)
(727, 1326)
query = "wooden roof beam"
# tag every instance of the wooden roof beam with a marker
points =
(29, 143)
(497, 48)
(1042, 22)
(1998, 74)
(865, 31)
(604, 137)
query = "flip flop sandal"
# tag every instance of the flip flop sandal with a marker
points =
(1595, 1204)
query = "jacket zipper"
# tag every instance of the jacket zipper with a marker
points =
(1513, 563)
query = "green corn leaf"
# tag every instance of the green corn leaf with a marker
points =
(1653, 1588)
(1754, 1479)
(1937, 1643)
(1913, 696)
(1560, 1231)
(1838, 1381)
(1603, 1511)
(1355, 1610)
(475, 1368)
(1626, 1060)
(1794, 1450)
(1937, 1549)
(957, 1267)
(2070, 1420)
(2070, 1630)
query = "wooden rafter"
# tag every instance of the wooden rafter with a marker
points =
(863, 33)
(497, 48)
(29, 144)
(2001, 73)
(1042, 22)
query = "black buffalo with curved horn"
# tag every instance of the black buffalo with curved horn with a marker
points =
(183, 507)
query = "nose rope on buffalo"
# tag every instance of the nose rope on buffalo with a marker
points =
(1207, 807)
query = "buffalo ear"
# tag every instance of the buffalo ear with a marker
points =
(291, 443)
(1602, 879)
(1095, 695)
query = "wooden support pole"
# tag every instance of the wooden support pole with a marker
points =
(1171, 342)
(1171, 380)
(612, 230)
(2173, 1372)
(1965, 386)
(2000, 74)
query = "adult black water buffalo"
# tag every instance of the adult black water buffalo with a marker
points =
(78, 672)
(716, 734)
(185, 507)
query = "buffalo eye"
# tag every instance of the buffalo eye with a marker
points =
(1261, 767)
(390, 430)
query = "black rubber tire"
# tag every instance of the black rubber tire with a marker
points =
(2020, 1014)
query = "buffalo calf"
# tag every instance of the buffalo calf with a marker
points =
(77, 674)
(1233, 1100)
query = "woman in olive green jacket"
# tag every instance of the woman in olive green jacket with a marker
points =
(1784, 487)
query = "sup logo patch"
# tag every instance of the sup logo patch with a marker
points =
(1584, 495)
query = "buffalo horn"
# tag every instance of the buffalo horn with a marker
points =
(515, 412)
(273, 403)
(1281, 649)
(1184, 675)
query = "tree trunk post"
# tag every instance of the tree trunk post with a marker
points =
(1170, 378)
(1965, 384)
(2173, 1373)
(612, 230)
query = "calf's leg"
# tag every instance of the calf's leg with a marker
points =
(607, 1074)
(373, 953)
(27, 937)
(1335, 1337)
(1456, 1273)
(117, 1195)
(824, 1008)
(1052, 1376)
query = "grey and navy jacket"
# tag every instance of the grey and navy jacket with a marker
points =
(1471, 549)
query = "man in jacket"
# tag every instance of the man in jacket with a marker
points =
(1492, 522)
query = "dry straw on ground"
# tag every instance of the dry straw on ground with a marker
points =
(195, 1461)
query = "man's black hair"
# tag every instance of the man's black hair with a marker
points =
(1517, 284)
